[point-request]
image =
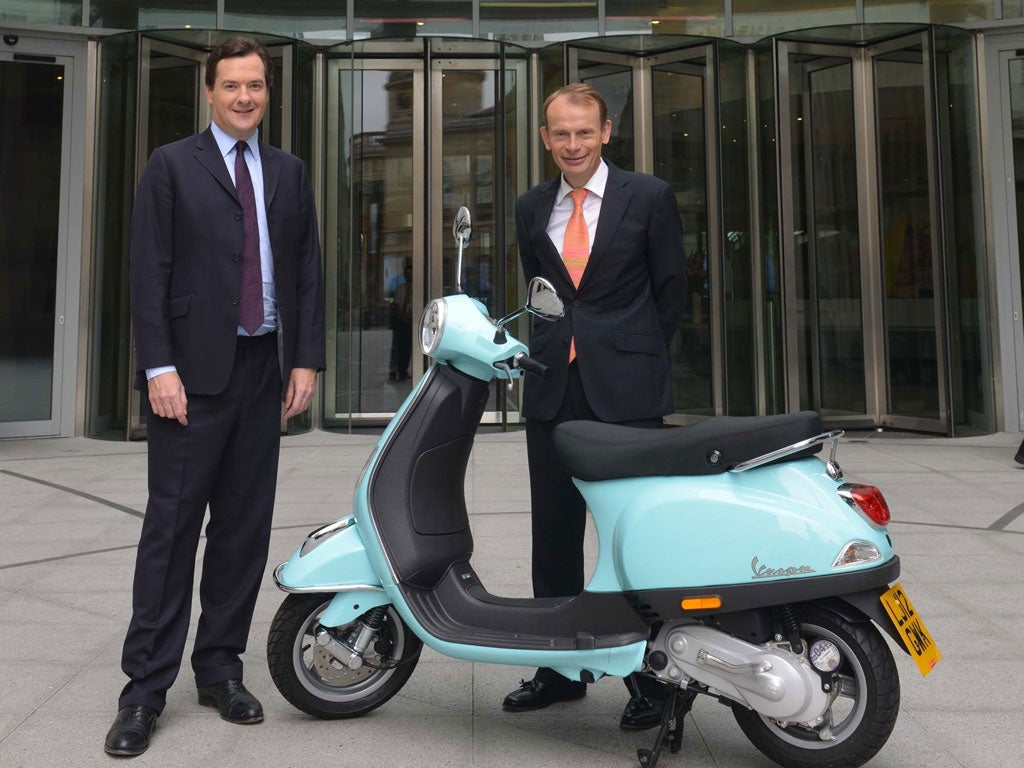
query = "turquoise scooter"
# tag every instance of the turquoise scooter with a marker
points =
(733, 563)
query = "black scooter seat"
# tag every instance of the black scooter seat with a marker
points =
(592, 450)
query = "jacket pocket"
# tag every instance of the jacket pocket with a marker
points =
(635, 341)
(178, 306)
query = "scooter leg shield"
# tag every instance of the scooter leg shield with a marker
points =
(332, 560)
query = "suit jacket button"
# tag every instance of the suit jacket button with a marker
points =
(576, 303)
(236, 257)
(238, 217)
(234, 301)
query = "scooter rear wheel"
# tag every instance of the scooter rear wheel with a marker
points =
(864, 713)
(315, 682)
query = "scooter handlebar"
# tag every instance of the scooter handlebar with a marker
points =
(530, 365)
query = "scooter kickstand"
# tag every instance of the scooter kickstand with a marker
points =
(677, 705)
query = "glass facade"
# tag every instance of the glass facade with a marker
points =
(827, 171)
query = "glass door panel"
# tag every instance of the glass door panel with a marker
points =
(33, 158)
(833, 245)
(172, 106)
(471, 170)
(680, 155)
(612, 75)
(905, 188)
(374, 245)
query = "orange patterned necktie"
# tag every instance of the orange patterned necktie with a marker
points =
(576, 248)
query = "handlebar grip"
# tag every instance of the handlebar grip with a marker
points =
(530, 365)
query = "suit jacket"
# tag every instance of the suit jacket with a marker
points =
(626, 309)
(185, 274)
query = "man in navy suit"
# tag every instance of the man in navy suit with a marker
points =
(620, 318)
(228, 313)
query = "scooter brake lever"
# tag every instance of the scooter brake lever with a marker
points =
(503, 366)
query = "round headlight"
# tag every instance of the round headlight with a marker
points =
(432, 326)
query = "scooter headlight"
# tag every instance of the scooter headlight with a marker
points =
(432, 326)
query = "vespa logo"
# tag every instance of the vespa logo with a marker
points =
(764, 572)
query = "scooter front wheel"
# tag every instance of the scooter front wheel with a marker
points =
(863, 714)
(315, 681)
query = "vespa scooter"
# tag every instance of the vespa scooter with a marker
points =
(733, 562)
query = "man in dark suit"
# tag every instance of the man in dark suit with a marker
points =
(608, 356)
(228, 314)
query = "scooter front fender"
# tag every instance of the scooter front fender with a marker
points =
(333, 559)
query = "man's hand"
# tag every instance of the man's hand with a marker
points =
(299, 391)
(167, 397)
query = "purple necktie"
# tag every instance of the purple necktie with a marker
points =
(250, 300)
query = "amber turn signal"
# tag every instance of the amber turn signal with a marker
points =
(701, 603)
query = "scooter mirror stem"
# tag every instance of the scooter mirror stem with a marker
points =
(462, 230)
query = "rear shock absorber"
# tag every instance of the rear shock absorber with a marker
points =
(791, 626)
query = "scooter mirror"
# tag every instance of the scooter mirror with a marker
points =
(542, 299)
(462, 226)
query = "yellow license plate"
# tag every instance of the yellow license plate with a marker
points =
(911, 628)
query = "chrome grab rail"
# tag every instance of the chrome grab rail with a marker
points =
(825, 437)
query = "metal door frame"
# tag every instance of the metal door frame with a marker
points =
(69, 237)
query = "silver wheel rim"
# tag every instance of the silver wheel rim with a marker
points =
(848, 709)
(328, 679)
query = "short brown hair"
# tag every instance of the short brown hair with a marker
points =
(238, 46)
(576, 93)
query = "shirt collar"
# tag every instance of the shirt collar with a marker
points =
(595, 184)
(225, 143)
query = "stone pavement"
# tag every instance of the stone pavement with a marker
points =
(70, 513)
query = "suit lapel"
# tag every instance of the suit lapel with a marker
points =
(613, 208)
(271, 173)
(542, 215)
(207, 153)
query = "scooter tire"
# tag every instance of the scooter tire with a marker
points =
(867, 707)
(311, 680)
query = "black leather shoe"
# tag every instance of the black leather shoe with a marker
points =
(1019, 458)
(535, 694)
(129, 735)
(641, 714)
(235, 703)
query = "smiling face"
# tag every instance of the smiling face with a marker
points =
(574, 135)
(239, 95)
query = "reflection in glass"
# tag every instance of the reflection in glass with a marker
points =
(665, 17)
(153, 14)
(532, 21)
(615, 83)
(173, 90)
(412, 18)
(970, 359)
(930, 11)
(680, 158)
(906, 232)
(32, 103)
(737, 256)
(312, 20)
(771, 250)
(63, 12)
(826, 236)
(758, 18)
(109, 372)
(374, 127)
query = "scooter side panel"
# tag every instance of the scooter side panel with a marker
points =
(776, 522)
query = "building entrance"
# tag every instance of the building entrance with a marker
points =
(414, 131)
(872, 287)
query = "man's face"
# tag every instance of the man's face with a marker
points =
(574, 135)
(239, 95)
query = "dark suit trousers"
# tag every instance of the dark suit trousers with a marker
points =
(559, 513)
(226, 457)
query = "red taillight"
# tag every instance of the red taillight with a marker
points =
(870, 501)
